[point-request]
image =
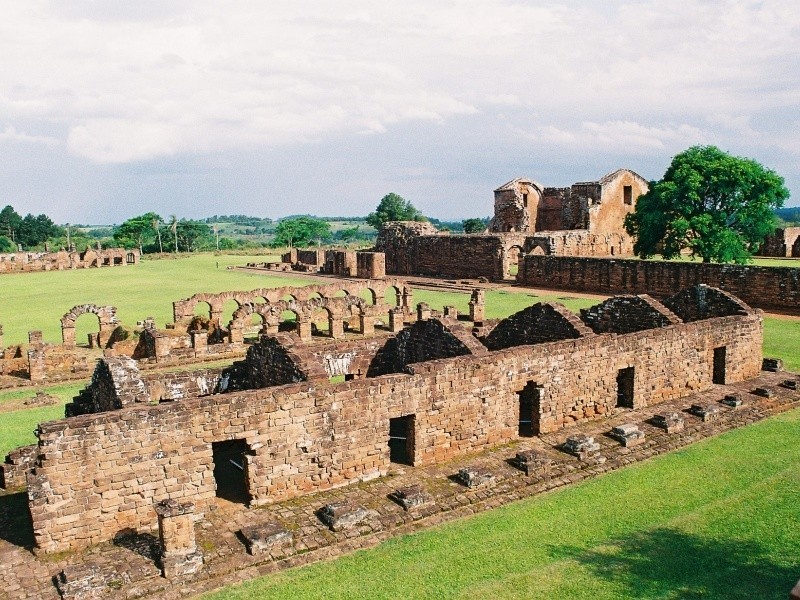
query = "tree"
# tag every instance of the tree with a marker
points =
(156, 223)
(474, 225)
(393, 208)
(9, 222)
(192, 234)
(173, 227)
(301, 231)
(6, 245)
(717, 205)
(37, 230)
(135, 231)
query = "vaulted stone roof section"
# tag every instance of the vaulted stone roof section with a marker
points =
(116, 383)
(430, 339)
(281, 359)
(705, 302)
(609, 177)
(516, 182)
(537, 324)
(626, 314)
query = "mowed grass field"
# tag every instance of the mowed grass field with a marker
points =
(715, 520)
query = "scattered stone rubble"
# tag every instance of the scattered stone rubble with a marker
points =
(628, 435)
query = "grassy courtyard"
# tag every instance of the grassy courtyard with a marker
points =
(715, 520)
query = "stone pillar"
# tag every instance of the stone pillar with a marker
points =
(423, 311)
(68, 336)
(1, 338)
(367, 324)
(336, 328)
(216, 316)
(200, 341)
(270, 329)
(304, 329)
(451, 312)
(162, 345)
(36, 365)
(106, 331)
(396, 319)
(35, 338)
(408, 299)
(477, 306)
(179, 553)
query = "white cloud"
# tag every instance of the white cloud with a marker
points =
(10, 133)
(621, 137)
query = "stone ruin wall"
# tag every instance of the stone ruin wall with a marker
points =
(98, 474)
(26, 262)
(785, 242)
(769, 288)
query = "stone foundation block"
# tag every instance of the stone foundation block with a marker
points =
(582, 446)
(177, 564)
(732, 400)
(764, 392)
(671, 422)
(342, 515)
(532, 460)
(260, 539)
(628, 435)
(89, 580)
(772, 364)
(409, 497)
(790, 384)
(707, 412)
(473, 477)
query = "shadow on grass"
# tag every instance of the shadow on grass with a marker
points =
(665, 563)
(16, 526)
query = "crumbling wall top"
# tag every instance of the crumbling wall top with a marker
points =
(626, 314)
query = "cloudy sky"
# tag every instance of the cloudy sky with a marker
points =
(111, 108)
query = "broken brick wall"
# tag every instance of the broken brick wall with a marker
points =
(99, 474)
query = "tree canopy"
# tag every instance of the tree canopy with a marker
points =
(474, 225)
(393, 208)
(137, 231)
(301, 231)
(718, 206)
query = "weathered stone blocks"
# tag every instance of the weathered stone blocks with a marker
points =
(473, 477)
(342, 515)
(707, 412)
(179, 553)
(581, 445)
(670, 422)
(409, 497)
(628, 435)
(530, 461)
(262, 538)
(732, 400)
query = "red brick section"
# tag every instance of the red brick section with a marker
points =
(97, 474)
(770, 288)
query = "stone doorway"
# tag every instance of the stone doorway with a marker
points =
(625, 387)
(530, 400)
(230, 470)
(401, 440)
(718, 373)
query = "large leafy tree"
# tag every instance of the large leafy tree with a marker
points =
(393, 208)
(301, 231)
(35, 230)
(718, 206)
(137, 231)
(474, 225)
(9, 223)
(192, 235)
(6, 245)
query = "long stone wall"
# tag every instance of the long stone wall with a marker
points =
(770, 288)
(99, 474)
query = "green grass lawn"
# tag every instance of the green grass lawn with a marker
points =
(39, 300)
(715, 520)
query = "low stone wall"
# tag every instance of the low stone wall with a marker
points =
(770, 288)
(99, 474)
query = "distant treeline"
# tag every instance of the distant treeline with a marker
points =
(790, 215)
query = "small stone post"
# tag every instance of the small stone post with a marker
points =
(336, 327)
(367, 325)
(396, 319)
(200, 341)
(179, 553)
(408, 299)
(304, 329)
(423, 311)
(477, 306)
(1, 338)
(451, 312)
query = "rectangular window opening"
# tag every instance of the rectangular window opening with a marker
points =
(401, 440)
(530, 400)
(627, 194)
(625, 387)
(718, 375)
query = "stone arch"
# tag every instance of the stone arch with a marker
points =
(369, 295)
(511, 259)
(538, 251)
(107, 318)
(796, 248)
